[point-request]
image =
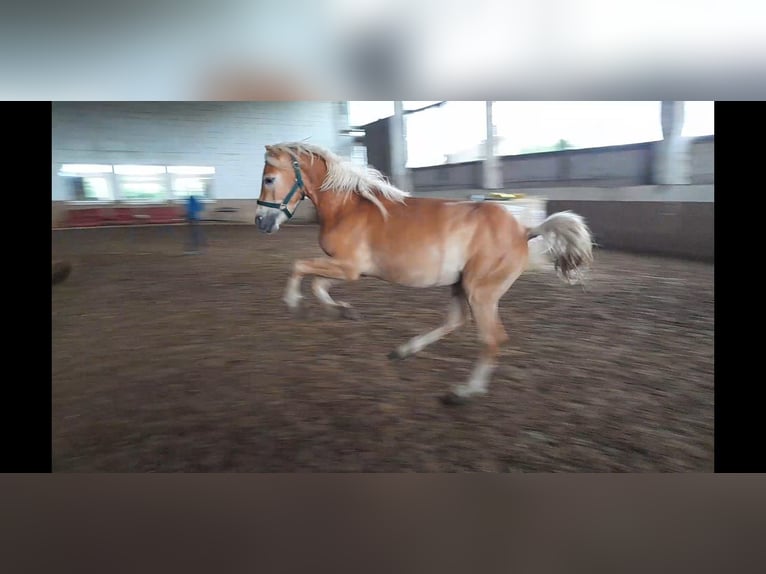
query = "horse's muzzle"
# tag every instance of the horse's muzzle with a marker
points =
(266, 223)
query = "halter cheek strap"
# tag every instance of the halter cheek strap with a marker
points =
(298, 185)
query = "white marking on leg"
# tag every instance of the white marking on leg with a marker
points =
(420, 342)
(320, 286)
(479, 380)
(293, 292)
(455, 318)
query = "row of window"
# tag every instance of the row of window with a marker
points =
(137, 183)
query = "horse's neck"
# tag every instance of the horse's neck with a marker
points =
(331, 207)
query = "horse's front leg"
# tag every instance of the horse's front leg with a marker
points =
(326, 272)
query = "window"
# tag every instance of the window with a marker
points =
(699, 119)
(191, 180)
(359, 155)
(88, 182)
(459, 129)
(136, 183)
(141, 183)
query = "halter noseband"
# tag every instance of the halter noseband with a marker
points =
(296, 186)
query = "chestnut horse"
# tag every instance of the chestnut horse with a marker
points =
(369, 228)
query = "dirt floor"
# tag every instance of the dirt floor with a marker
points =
(168, 362)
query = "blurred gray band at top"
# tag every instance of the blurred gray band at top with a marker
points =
(386, 49)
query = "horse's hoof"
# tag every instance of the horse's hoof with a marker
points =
(350, 313)
(296, 311)
(395, 355)
(451, 399)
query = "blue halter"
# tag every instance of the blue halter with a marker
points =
(298, 185)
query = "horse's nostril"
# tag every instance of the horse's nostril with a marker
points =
(258, 218)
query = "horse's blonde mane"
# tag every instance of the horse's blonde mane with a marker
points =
(343, 176)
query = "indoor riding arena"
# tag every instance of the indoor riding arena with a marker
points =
(171, 355)
(166, 362)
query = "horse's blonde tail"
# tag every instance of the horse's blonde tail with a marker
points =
(565, 238)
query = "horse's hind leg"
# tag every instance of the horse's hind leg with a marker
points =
(484, 300)
(456, 317)
(492, 335)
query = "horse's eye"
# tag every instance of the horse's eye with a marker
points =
(268, 180)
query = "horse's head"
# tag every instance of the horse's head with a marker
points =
(282, 188)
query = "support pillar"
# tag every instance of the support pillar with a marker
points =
(672, 157)
(344, 143)
(492, 172)
(398, 143)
